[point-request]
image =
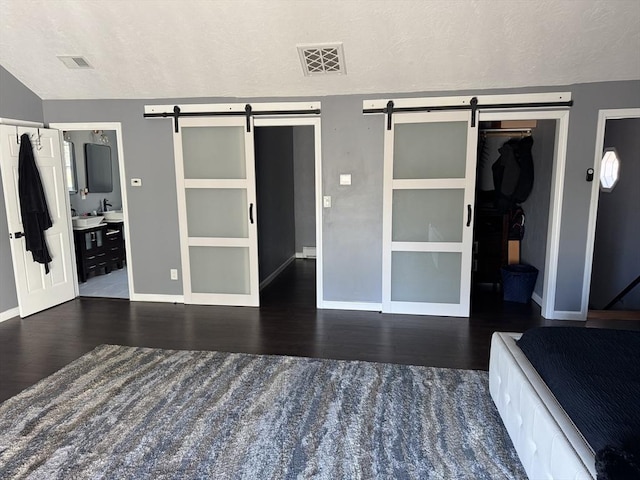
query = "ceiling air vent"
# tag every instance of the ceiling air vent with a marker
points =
(73, 61)
(322, 59)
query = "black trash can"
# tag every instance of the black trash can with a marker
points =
(518, 282)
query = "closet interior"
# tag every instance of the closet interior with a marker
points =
(513, 188)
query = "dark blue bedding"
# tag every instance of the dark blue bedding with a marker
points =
(595, 376)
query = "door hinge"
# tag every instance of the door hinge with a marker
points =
(16, 235)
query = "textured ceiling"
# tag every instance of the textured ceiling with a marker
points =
(193, 48)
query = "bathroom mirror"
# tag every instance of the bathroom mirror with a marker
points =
(98, 165)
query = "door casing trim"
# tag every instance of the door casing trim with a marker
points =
(316, 123)
(603, 116)
(556, 196)
(117, 127)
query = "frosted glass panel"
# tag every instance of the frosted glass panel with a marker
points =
(425, 277)
(213, 152)
(217, 212)
(428, 215)
(430, 150)
(219, 270)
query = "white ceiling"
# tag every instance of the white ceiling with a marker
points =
(210, 48)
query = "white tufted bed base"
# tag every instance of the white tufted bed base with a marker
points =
(547, 441)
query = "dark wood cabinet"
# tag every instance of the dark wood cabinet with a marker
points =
(99, 249)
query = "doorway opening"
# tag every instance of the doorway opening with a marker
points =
(612, 273)
(512, 218)
(285, 190)
(92, 155)
(518, 229)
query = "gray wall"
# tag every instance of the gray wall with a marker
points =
(616, 256)
(351, 143)
(275, 198)
(536, 207)
(588, 99)
(93, 201)
(304, 186)
(152, 208)
(352, 228)
(19, 103)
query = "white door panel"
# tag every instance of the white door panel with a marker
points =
(37, 290)
(429, 184)
(215, 175)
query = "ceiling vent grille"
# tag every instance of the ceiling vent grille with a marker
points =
(322, 59)
(74, 62)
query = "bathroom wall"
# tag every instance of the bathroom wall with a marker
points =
(93, 201)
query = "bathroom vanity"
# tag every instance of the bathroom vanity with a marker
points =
(99, 248)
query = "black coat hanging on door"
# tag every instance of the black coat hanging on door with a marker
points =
(513, 173)
(33, 204)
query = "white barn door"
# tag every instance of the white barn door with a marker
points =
(36, 290)
(429, 189)
(215, 175)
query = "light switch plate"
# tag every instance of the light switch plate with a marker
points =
(326, 201)
(345, 179)
(136, 182)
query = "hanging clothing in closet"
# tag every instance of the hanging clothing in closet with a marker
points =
(33, 204)
(513, 173)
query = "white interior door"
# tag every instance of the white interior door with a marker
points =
(36, 290)
(215, 174)
(429, 184)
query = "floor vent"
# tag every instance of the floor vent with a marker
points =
(322, 59)
(74, 62)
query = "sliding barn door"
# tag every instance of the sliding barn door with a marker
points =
(429, 182)
(215, 175)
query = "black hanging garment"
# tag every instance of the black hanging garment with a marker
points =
(513, 173)
(33, 204)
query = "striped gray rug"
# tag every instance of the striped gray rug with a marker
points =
(122, 412)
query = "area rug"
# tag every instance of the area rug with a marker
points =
(123, 412)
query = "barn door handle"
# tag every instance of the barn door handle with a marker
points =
(16, 235)
(251, 213)
(468, 215)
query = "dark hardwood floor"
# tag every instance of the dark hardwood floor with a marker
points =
(287, 323)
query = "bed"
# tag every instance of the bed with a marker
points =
(546, 438)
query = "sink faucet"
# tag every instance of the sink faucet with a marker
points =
(105, 204)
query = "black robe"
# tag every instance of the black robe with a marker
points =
(33, 204)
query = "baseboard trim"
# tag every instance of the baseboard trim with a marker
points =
(569, 315)
(8, 314)
(363, 306)
(536, 298)
(632, 315)
(277, 271)
(307, 252)
(152, 297)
